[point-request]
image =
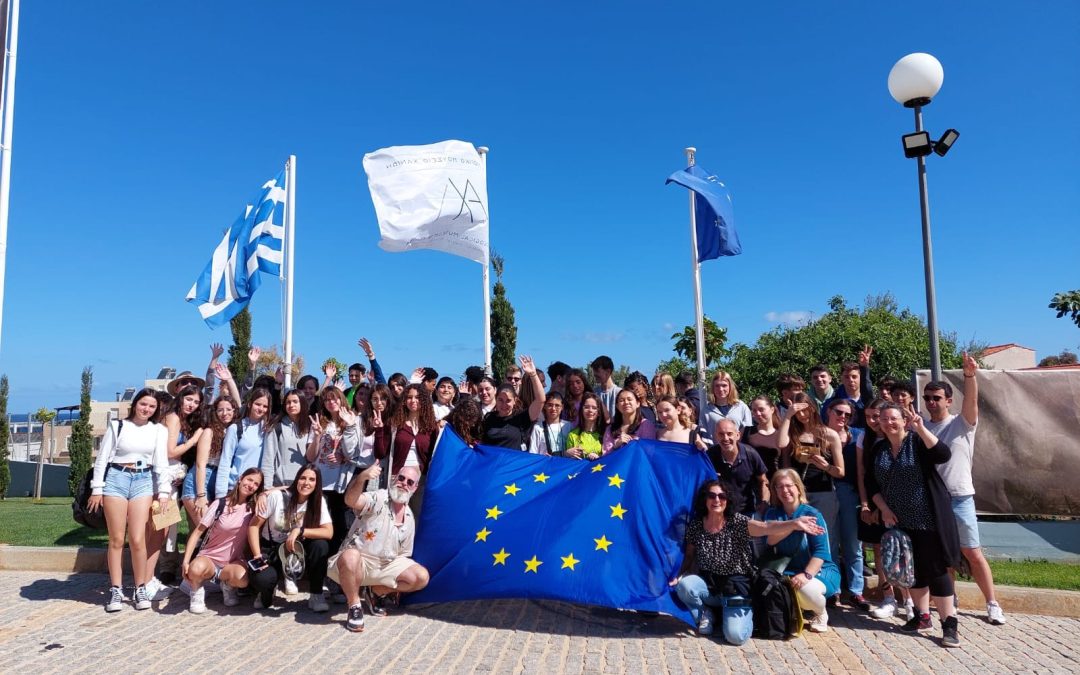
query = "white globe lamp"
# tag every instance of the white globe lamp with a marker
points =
(916, 79)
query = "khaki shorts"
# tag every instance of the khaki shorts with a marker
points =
(375, 572)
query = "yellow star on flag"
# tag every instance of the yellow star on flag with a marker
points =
(512, 489)
(617, 511)
(482, 535)
(602, 543)
(569, 562)
(615, 481)
(540, 477)
(500, 557)
(494, 513)
(598, 468)
(533, 565)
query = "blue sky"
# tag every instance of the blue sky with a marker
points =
(141, 129)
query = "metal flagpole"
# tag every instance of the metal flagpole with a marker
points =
(487, 266)
(698, 316)
(11, 43)
(290, 243)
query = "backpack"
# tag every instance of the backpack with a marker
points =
(897, 559)
(80, 512)
(776, 609)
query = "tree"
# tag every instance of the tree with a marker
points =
(43, 415)
(1067, 303)
(675, 365)
(899, 339)
(81, 445)
(269, 360)
(238, 352)
(503, 328)
(5, 432)
(1065, 358)
(618, 376)
(715, 340)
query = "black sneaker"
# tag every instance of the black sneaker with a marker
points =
(858, 601)
(355, 622)
(141, 599)
(949, 637)
(376, 604)
(919, 622)
(115, 603)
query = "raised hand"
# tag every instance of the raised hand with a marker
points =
(915, 423)
(316, 424)
(970, 365)
(417, 374)
(376, 419)
(222, 371)
(865, 354)
(279, 374)
(348, 417)
(253, 355)
(794, 409)
(371, 473)
(216, 350)
(527, 364)
(366, 346)
(330, 370)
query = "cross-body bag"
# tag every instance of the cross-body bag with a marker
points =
(206, 533)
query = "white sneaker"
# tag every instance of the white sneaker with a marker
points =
(115, 603)
(994, 614)
(290, 587)
(198, 601)
(820, 623)
(229, 595)
(705, 622)
(141, 599)
(157, 591)
(317, 602)
(885, 610)
(907, 611)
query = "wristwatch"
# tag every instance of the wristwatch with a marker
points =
(809, 577)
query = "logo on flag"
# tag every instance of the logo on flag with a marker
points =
(715, 220)
(252, 245)
(430, 196)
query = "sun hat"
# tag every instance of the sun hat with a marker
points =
(184, 378)
(292, 564)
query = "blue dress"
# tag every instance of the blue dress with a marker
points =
(801, 547)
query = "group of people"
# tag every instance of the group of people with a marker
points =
(282, 485)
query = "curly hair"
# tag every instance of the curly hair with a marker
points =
(465, 420)
(425, 415)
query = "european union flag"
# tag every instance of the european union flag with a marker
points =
(500, 523)
(715, 222)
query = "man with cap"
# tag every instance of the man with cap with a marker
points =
(375, 553)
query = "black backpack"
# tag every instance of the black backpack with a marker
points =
(777, 615)
(79, 511)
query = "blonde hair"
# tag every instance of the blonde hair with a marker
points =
(733, 391)
(663, 385)
(794, 476)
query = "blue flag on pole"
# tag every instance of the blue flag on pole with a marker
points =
(253, 244)
(715, 222)
(500, 523)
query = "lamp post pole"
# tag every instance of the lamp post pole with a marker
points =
(928, 262)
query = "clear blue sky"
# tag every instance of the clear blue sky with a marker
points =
(141, 129)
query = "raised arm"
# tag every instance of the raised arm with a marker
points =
(375, 368)
(866, 388)
(225, 375)
(355, 497)
(537, 405)
(970, 409)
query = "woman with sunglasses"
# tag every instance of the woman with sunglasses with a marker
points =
(838, 414)
(718, 564)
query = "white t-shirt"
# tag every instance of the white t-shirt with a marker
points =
(274, 513)
(441, 410)
(955, 432)
(553, 442)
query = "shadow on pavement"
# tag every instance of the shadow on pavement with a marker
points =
(74, 587)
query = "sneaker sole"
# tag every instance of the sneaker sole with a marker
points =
(354, 629)
(113, 610)
(944, 643)
(141, 606)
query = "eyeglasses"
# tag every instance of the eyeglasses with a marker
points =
(933, 398)
(514, 379)
(402, 478)
(840, 413)
(719, 496)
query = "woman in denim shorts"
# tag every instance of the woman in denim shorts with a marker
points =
(131, 458)
(207, 457)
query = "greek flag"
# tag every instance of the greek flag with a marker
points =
(254, 243)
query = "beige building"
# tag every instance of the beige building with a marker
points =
(1008, 357)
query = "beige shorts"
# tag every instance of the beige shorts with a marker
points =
(375, 572)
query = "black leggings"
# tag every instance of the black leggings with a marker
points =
(931, 568)
(335, 503)
(316, 553)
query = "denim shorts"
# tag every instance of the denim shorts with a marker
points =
(967, 524)
(189, 484)
(120, 483)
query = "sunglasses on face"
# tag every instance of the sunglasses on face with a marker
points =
(841, 413)
(719, 496)
(514, 379)
(933, 398)
(402, 478)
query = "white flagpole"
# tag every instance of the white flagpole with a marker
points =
(487, 265)
(290, 257)
(698, 315)
(12, 44)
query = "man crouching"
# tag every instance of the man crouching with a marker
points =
(374, 558)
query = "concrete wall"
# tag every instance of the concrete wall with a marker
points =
(53, 480)
(1013, 358)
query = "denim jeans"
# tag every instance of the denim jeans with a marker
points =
(848, 536)
(826, 503)
(736, 619)
(127, 484)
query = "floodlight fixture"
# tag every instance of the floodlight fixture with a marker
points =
(917, 144)
(943, 144)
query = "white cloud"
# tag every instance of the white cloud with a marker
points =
(794, 318)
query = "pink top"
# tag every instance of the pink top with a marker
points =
(228, 536)
(646, 430)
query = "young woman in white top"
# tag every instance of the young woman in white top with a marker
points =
(550, 433)
(131, 457)
(340, 439)
(443, 401)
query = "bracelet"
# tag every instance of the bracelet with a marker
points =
(201, 494)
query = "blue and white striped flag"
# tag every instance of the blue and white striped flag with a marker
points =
(254, 243)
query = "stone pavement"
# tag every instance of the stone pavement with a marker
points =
(56, 623)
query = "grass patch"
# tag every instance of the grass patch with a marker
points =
(1036, 574)
(48, 522)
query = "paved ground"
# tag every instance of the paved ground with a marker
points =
(56, 623)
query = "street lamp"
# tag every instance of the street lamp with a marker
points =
(914, 81)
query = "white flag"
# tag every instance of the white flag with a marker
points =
(430, 196)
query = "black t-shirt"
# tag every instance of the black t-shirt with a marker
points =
(507, 432)
(742, 472)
